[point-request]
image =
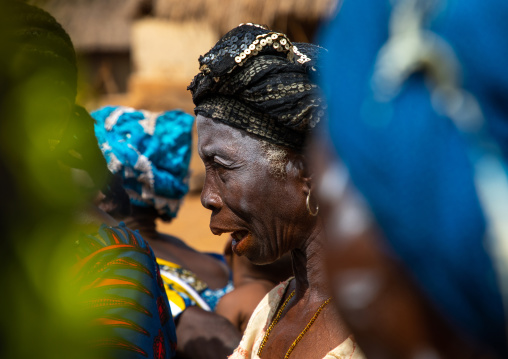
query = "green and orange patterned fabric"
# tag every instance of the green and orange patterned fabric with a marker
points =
(121, 290)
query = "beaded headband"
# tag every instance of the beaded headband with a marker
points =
(259, 81)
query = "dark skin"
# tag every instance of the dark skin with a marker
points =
(251, 283)
(238, 305)
(268, 217)
(207, 268)
(393, 318)
(205, 335)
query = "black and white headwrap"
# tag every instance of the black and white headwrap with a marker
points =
(259, 81)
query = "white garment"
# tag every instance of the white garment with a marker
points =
(261, 319)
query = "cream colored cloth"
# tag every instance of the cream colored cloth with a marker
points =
(261, 319)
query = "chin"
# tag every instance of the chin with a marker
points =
(249, 248)
(258, 260)
(258, 257)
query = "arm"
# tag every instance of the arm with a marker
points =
(230, 308)
(238, 305)
(205, 335)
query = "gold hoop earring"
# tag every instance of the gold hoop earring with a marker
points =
(307, 202)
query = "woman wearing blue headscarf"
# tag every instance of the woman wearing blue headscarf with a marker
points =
(151, 153)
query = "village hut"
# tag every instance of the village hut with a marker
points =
(166, 45)
(149, 48)
(101, 33)
(297, 18)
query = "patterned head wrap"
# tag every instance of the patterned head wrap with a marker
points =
(259, 81)
(151, 151)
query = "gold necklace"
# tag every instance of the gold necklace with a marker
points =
(272, 324)
(300, 336)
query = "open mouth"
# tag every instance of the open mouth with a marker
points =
(238, 236)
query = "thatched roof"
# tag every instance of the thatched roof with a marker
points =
(226, 14)
(96, 25)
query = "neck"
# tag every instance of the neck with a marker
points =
(308, 267)
(143, 219)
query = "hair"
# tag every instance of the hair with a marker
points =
(277, 157)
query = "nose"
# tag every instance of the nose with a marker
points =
(210, 197)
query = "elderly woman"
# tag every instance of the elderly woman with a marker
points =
(255, 104)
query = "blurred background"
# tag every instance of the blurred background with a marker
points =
(144, 54)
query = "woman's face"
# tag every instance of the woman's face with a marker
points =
(265, 214)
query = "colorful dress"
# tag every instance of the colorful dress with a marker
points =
(185, 289)
(123, 293)
(263, 316)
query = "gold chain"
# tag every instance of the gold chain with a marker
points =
(277, 317)
(300, 336)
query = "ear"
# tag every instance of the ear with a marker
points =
(305, 174)
(308, 184)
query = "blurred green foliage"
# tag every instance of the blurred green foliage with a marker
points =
(41, 314)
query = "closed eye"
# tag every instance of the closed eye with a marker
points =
(223, 163)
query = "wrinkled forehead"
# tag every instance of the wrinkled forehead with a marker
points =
(215, 136)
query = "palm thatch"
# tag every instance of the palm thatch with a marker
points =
(226, 14)
(96, 25)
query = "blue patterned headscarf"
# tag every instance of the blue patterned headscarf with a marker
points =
(151, 151)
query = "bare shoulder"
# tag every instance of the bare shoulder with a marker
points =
(254, 291)
(242, 297)
(175, 241)
(239, 304)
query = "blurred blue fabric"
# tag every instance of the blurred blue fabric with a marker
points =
(411, 163)
(151, 151)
